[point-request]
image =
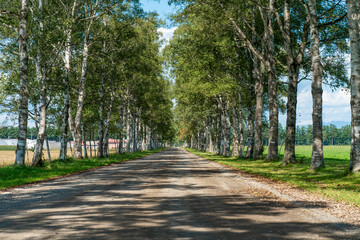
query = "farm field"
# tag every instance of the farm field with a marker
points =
(334, 181)
(7, 155)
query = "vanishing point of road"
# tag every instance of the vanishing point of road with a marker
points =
(168, 195)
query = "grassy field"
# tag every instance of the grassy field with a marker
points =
(7, 148)
(14, 175)
(334, 181)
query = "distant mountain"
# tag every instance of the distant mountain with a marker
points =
(338, 124)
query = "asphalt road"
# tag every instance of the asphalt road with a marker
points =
(169, 195)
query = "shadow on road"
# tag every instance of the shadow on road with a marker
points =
(148, 199)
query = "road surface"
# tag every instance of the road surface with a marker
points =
(169, 195)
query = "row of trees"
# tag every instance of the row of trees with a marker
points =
(234, 61)
(87, 68)
(331, 135)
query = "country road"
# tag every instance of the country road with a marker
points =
(168, 195)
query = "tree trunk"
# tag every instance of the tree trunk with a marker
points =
(250, 146)
(241, 130)
(101, 119)
(64, 127)
(289, 153)
(41, 78)
(24, 92)
(211, 137)
(48, 148)
(218, 129)
(273, 112)
(235, 148)
(107, 127)
(80, 102)
(293, 67)
(353, 21)
(67, 65)
(227, 136)
(84, 141)
(259, 93)
(90, 145)
(133, 132)
(317, 160)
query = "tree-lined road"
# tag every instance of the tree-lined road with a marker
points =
(169, 195)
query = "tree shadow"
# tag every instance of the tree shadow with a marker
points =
(158, 198)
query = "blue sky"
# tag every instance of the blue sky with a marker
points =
(161, 7)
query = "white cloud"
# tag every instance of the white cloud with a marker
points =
(167, 33)
(336, 105)
(337, 98)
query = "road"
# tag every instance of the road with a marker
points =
(169, 195)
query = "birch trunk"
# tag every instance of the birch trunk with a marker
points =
(250, 146)
(48, 148)
(211, 141)
(241, 150)
(293, 67)
(80, 102)
(317, 160)
(41, 78)
(235, 148)
(218, 130)
(259, 93)
(24, 92)
(207, 137)
(65, 117)
(289, 153)
(128, 132)
(101, 119)
(84, 141)
(354, 29)
(133, 128)
(223, 133)
(241, 130)
(143, 131)
(273, 107)
(121, 123)
(90, 145)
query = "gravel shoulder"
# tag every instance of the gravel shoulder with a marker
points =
(168, 195)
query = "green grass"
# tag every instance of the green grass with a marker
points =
(7, 148)
(334, 181)
(11, 176)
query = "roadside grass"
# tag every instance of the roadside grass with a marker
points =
(334, 181)
(11, 176)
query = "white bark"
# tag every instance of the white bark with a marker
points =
(317, 160)
(354, 30)
(24, 93)
(41, 78)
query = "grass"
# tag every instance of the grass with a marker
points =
(7, 148)
(11, 176)
(334, 181)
